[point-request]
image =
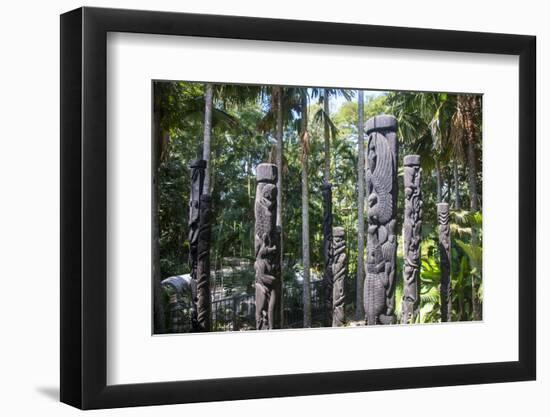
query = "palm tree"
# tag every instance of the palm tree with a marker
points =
(326, 111)
(459, 114)
(323, 116)
(458, 203)
(327, 217)
(304, 141)
(274, 120)
(359, 309)
(329, 129)
(421, 117)
(464, 130)
(225, 94)
(208, 103)
(278, 96)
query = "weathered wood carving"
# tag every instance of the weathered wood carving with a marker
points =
(266, 242)
(381, 188)
(203, 265)
(412, 235)
(177, 295)
(326, 189)
(339, 272)
(197, 182)
(445, 260)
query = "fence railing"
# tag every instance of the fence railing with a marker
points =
(233, 313)
(238, 312)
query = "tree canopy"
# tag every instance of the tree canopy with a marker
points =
(443, 128)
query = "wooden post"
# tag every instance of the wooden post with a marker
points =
(381, 189)
(339, 272)
(203, 266)
(267, 250)
(445, 260)
(197, 183)
(412, 235)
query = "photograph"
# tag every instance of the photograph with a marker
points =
(293, 207)
(296, 205)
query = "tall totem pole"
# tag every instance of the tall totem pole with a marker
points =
(326, 189)
(339, 272)
(266, 245)
(412, 235)
(197, 182)
(445, 260)
(381, 190)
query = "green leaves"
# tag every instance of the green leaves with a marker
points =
(321, 117)
(242, 137)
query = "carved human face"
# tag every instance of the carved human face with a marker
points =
(371, 155)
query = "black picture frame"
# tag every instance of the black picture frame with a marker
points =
(84, 207)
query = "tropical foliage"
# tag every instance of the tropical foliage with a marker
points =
(315, 131)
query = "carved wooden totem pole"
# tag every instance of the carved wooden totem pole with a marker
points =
(412, 235)
(445, 260)
(266, 241)
(381, 189)
(197, 182)
(203, 265)
(326, 189)
(339, 272)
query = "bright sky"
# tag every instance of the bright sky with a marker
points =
(336, 102)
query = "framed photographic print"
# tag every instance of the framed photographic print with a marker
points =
(255, 208)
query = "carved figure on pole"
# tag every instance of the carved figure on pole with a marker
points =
(339, 272)
(177, 293)
(197, 182)
(381, 189)
(412, 235)
(203, 266)
(444, 260)
(326, 189)
(266, 245)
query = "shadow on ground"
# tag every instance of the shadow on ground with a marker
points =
(50, 392)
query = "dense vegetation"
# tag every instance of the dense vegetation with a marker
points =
(318, 131)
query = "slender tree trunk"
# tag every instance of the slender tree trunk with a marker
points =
(469, 107)
(278, 93)
(439, 182)
(208, 102)
(326, 110)
(458, 203)
(327, 217)
(305, 214)
(204, 308)
(472, 174)
(359, 281)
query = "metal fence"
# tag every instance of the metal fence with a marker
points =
(234, 313)
(293, 306)
(238, 312)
